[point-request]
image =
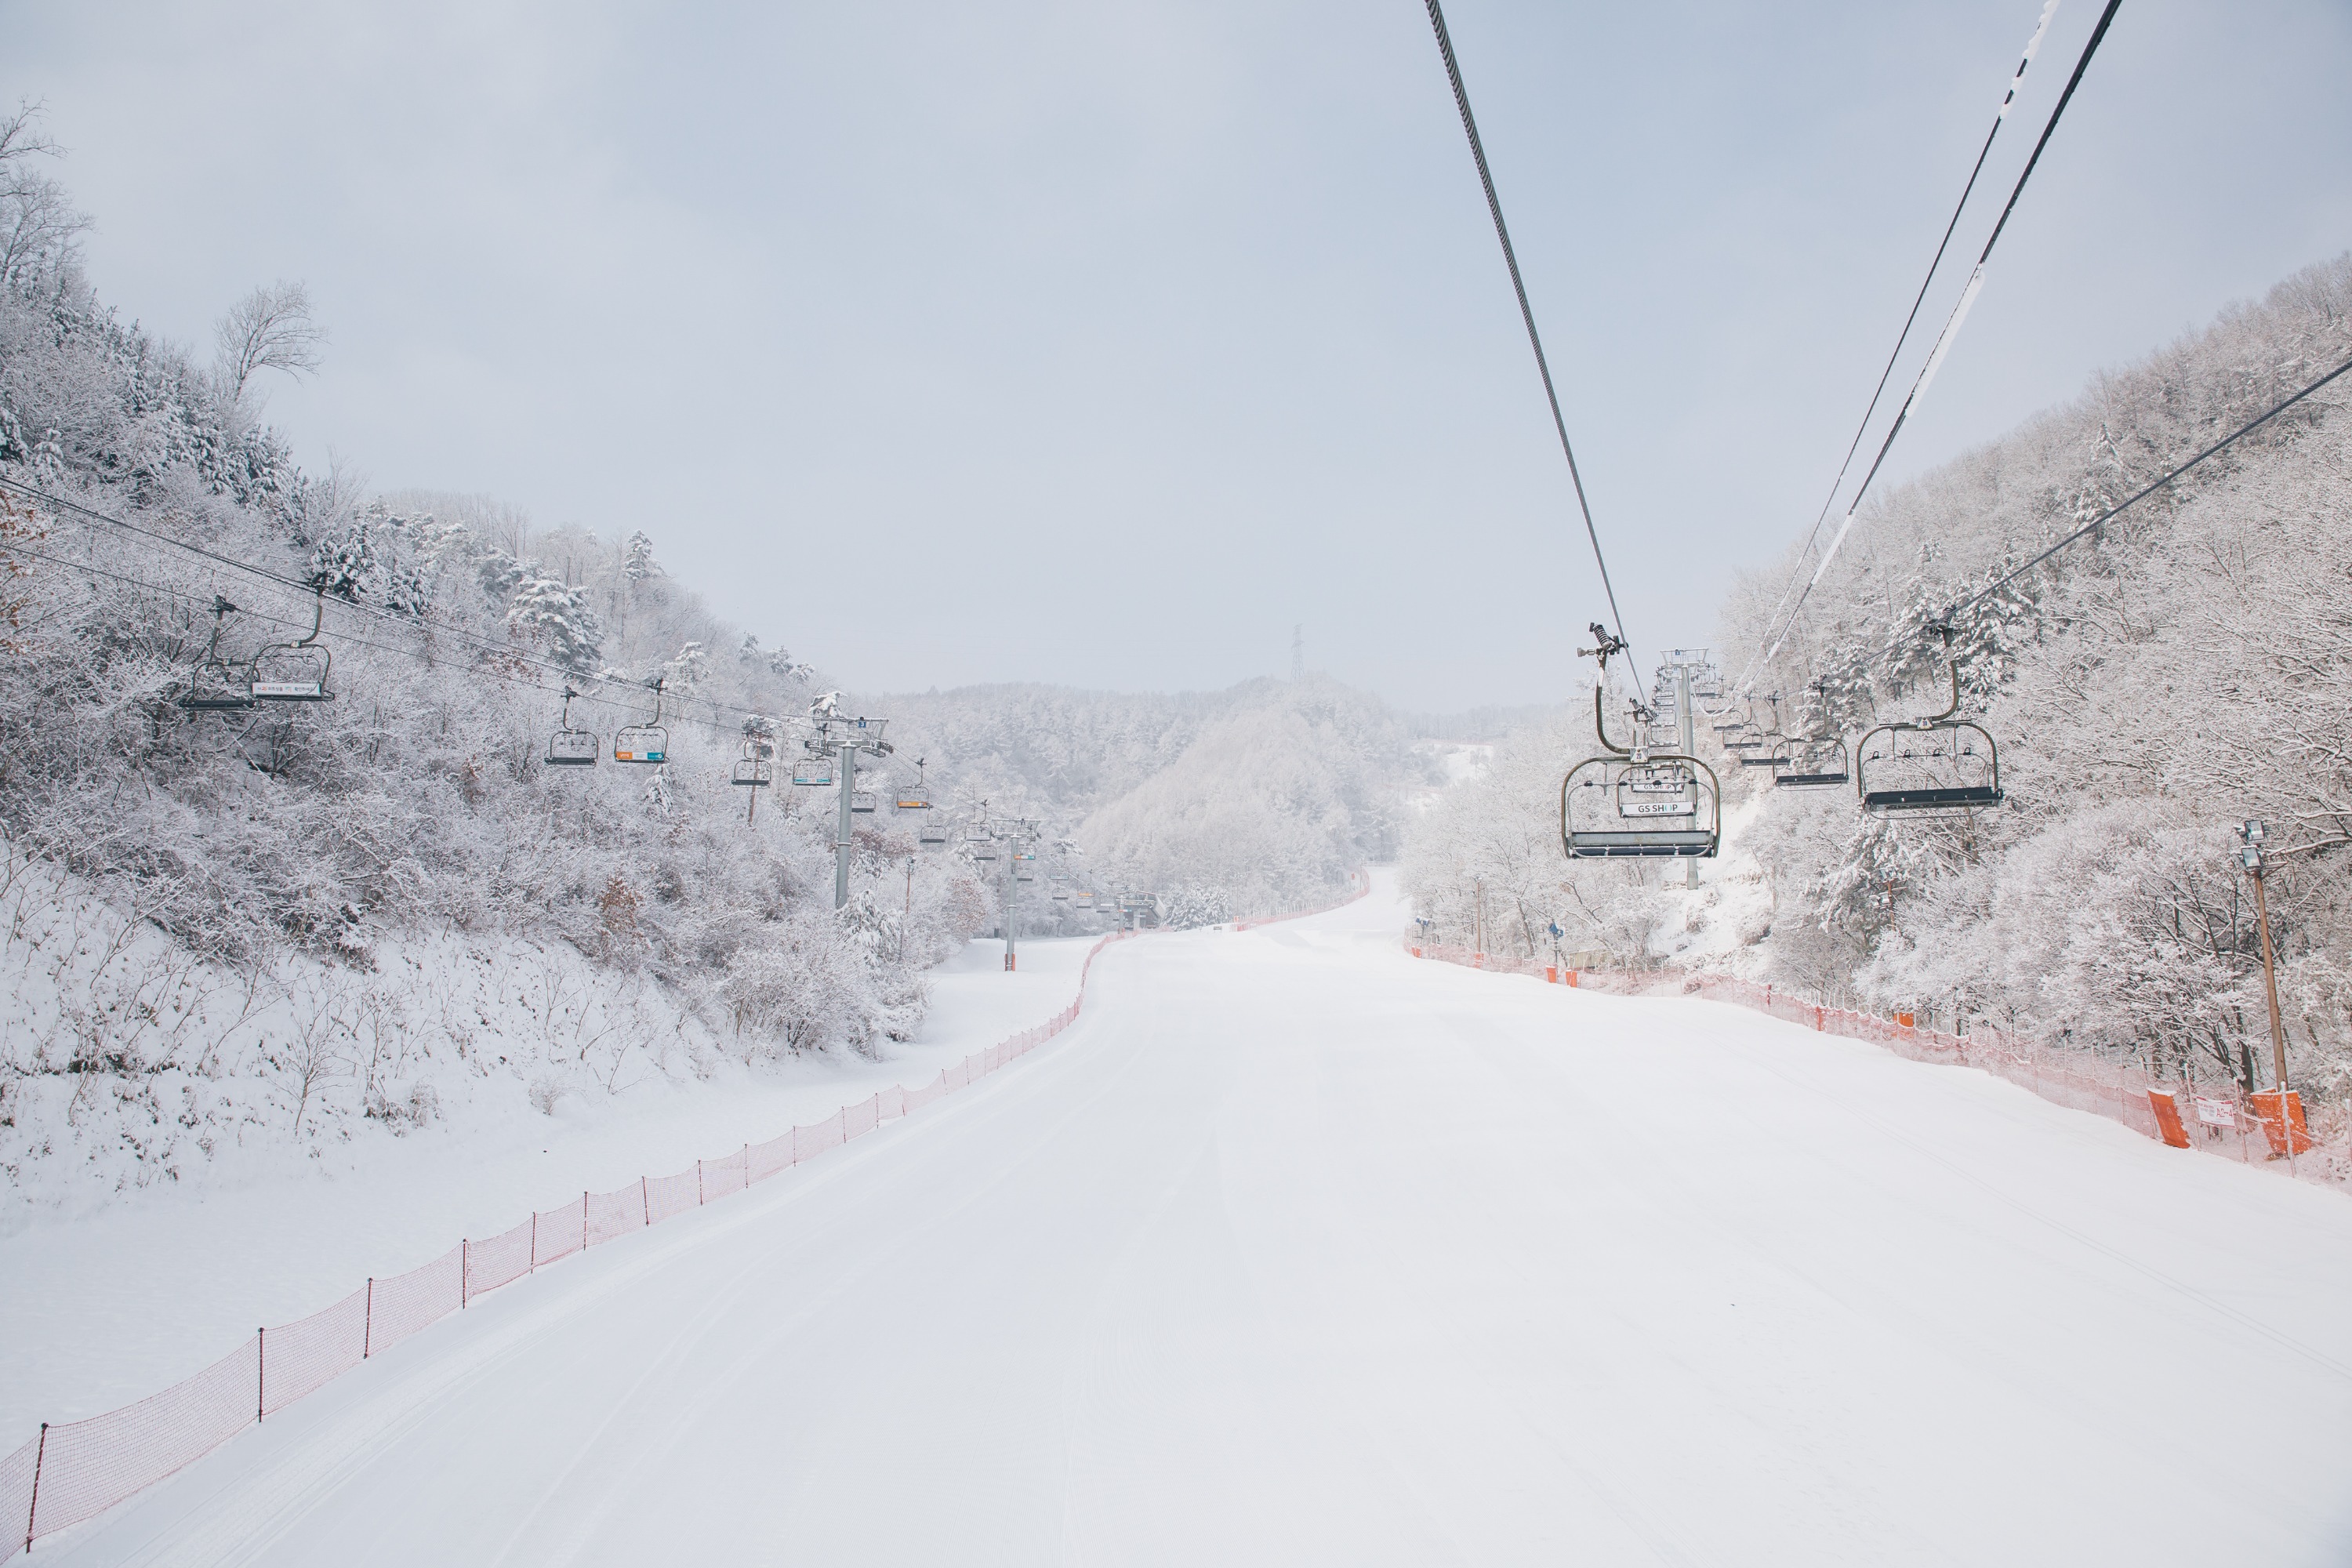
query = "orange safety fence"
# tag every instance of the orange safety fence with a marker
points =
(74, 1470)
(2216, 1117)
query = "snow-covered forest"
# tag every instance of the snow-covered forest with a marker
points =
(1259, 798)
(288, 926)
(2187, 668)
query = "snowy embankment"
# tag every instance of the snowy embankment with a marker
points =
(1296, 1250)
(107, 1302)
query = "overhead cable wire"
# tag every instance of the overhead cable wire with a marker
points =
(342, 638)
(1944, 338)
(2017, 80)
(1989, 589)
(1526, 311)
(503, 650)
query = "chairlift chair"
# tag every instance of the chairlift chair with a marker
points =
(213, 687)
(914, 796)
(647, 742)
(571, 748)
(931, 835)
(295, 671)
(1631, 803)
(1940, 763)
(754, 770)
(1812, 762)
(862, 800)
(1767, 740)
(815, 769)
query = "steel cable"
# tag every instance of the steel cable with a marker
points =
(1526, 311)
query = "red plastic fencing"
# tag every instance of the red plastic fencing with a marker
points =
(73, 1471)
(82, 1468)
(2218, 1119)
(304, 1355)
(404, 1303)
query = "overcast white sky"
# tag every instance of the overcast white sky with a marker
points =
(1102, 342)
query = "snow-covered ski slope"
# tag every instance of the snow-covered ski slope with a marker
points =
(1295, 1251)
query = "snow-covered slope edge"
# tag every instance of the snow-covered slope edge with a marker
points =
(89, 1465)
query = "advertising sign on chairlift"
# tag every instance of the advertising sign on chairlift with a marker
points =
(1656, 781)
(1681, 807)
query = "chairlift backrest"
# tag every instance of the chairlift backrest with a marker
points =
(647, 742)
(213, 687)
(295, 671)
(1618, 806)
(1938, 764)
(571, 748)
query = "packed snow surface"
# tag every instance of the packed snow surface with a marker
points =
(107, 1305)
(1296, 1250)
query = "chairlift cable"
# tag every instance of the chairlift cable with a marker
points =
(1944, 338)
(176, 593)
(2033, 46)
(1526, 311)
(503, 650)
(2150, 489)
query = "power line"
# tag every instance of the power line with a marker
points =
(1526, 311)
(1944, 338)
(2017, 78)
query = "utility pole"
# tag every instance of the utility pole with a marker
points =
(2250, 855)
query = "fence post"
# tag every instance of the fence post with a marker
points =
(367, 1328)
(697, 1184)
(261, 1373)
(534, 1243)
(643, 1201)
(465, 1270)
(33, 1511)
(583, 1220)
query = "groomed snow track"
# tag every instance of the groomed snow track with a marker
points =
(1297, 1251)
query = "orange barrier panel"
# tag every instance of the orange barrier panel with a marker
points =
(2279, 1131)
(2167, 1117)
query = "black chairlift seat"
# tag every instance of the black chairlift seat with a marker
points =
(930, 836)
(573, 749)
(216, 693)
(1670, 844)
(753, 773)
(1810, 764)
(1965, 797)
(861, 800)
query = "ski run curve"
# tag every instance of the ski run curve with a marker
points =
(1294, 1250)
